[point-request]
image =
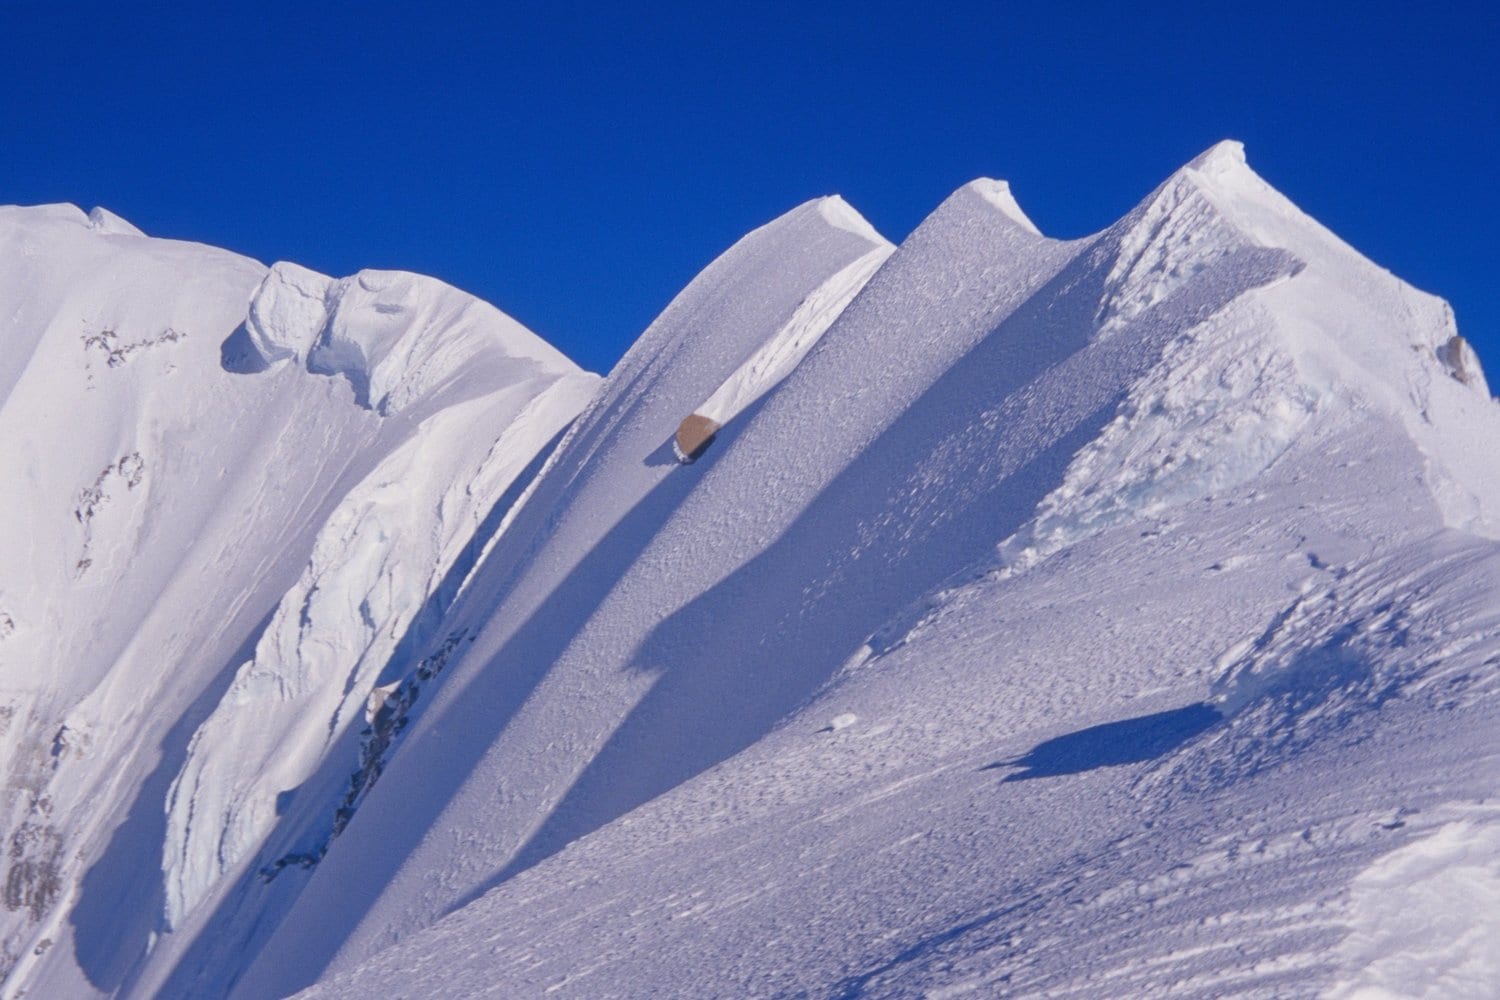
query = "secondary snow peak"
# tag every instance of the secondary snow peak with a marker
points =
(1224, 157)
(998, 193)
(845, 216)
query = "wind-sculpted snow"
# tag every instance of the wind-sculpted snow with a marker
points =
(1426, 917)
(395, 337)
(968, 695)
(608, 489)
(333, 639)
(379, 560)
(161, 502)
(779, 355)
(1092, 618)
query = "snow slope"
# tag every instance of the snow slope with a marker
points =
(541, 613)
(1077, 618)
(1094, 618)
(211, 550)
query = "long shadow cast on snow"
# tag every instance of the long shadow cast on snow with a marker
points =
(481, 705)
(734, 662)
(1128, 741)
(471, 722)
(312, 823)
(737, 659)
(121, 897)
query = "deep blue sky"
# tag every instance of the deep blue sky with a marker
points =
(577, 166)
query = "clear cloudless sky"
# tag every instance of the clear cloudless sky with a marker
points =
(577, 164)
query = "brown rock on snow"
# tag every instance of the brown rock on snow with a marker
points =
(694, 435)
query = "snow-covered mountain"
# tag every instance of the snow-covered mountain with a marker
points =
(1107, 617)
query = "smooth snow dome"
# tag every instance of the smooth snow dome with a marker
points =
(1105, 617)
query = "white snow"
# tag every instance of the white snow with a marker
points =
(998, 193)
(838, 212)
(162, 497)
(395, 337)
(557, 595)
(775, 359)
(1426, 920)
(1094, 618)
(373, 566)
(288, 313)
(105, 221)
(1175, 429)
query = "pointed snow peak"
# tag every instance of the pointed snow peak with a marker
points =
(1221, 159)
(1215, 200)
(1212, 213)
(1240, 195)
(998, 194)
(840, 213)
(1222, 175)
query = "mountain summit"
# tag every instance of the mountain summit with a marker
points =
(986, 614)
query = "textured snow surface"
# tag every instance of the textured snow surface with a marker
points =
(580, 588)
(1056, 630)
(1426, 918)
(776, 358)
(395, 337)
(1094, 618)
(206, 562)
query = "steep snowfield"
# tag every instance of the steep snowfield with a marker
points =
(382, 553)
(1094, 618)
(776, 358)
(1083, 618)
(548, 617)
(210, 552)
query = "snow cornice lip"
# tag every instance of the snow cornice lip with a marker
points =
(998, 194)
(837, 212)
(1223, 158)
(1240, 195)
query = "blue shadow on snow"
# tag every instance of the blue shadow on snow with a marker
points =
(1128, 741)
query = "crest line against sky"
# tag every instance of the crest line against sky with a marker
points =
(576, 166)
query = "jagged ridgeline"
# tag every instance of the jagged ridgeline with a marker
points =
(987, 613)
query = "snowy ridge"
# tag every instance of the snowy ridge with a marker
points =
(986, 266)
(775, 359)
(165, 518)
(611, 485)
(998, 193)
(1094, 618)
(394, 336)
(1177, 425)
(373, 567)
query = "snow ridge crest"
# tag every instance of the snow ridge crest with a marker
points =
(394, 336)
